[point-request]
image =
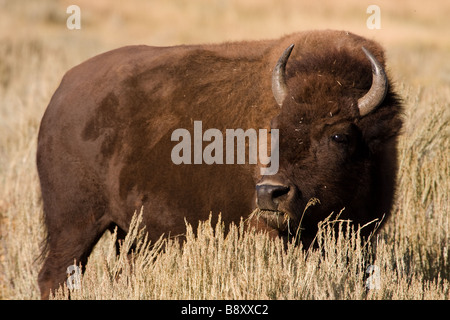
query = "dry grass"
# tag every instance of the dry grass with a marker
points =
(411, 253)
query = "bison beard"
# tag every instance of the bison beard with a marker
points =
(104, 146)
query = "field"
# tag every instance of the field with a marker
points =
(408, 259)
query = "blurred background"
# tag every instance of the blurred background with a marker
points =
(169, 22)
(404, 26)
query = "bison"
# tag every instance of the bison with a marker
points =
(106, 140)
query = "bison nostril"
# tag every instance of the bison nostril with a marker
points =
(268, 196)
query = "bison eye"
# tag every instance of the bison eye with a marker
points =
(339, 138)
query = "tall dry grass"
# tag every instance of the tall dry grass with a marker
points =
(409, 256)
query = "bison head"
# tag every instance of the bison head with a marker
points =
(337, 126)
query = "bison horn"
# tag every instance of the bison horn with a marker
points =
(375, 96)
(279, 87)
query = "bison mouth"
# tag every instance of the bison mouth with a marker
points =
(284, 222)
(276, 219)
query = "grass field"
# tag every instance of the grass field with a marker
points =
(408, 259)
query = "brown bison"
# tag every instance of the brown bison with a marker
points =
(106, 142)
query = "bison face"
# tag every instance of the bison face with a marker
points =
(324, 159)
(324, 155)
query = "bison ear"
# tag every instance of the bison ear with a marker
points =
(279, 87)
(383, 126)
(377, 92)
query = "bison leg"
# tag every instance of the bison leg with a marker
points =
(71, 245)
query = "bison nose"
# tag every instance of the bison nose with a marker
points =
(268, 196)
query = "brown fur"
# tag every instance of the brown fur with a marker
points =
(105, 139)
